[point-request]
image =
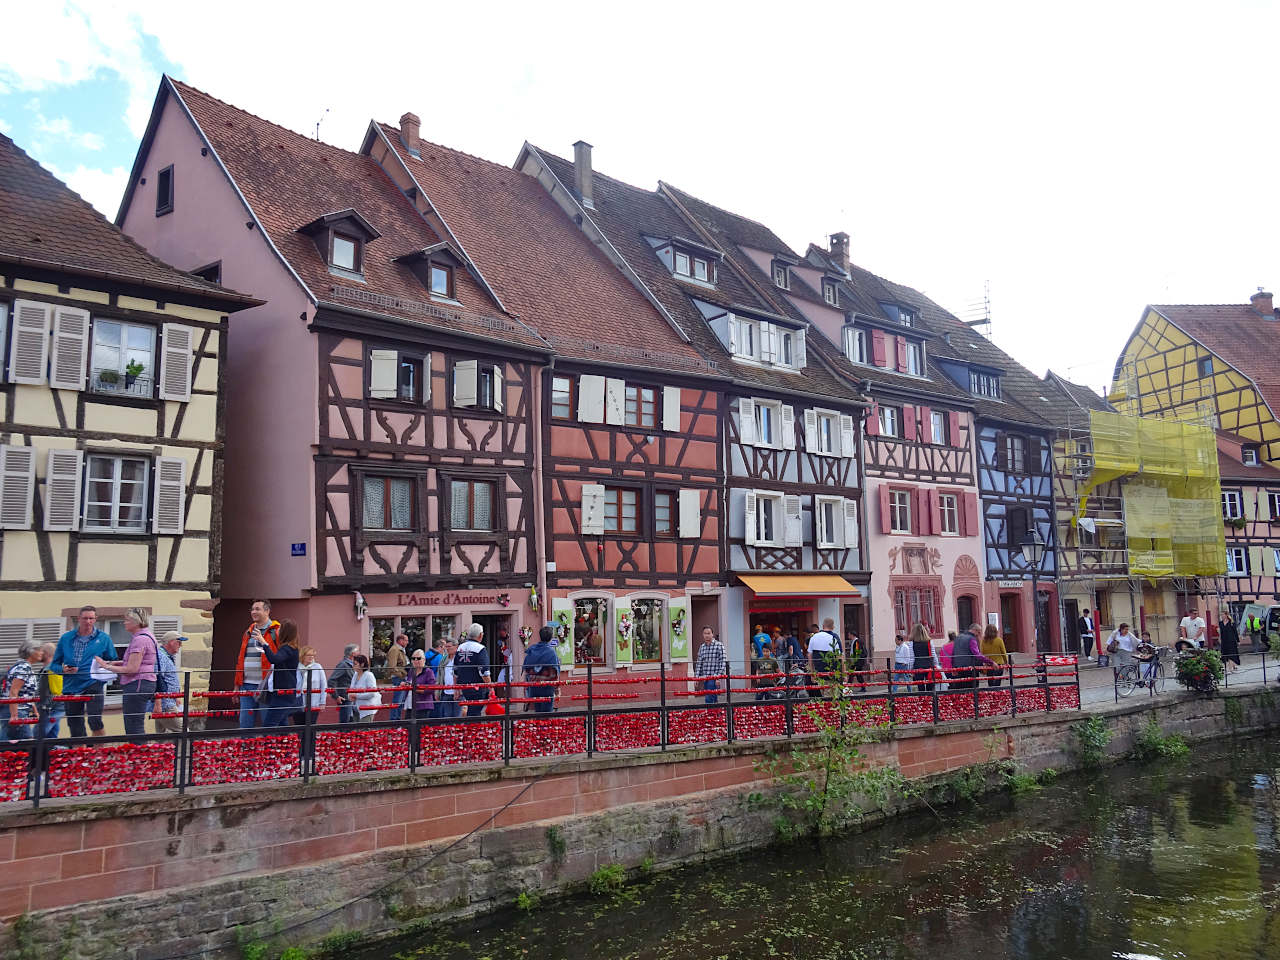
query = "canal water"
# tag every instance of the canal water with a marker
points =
(1174, 860)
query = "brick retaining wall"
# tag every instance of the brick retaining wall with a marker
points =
(203, 864)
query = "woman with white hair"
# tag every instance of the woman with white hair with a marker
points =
(471, 667)
(137, 670)
(22, 680)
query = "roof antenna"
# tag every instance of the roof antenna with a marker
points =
(979, 311)
(321, 120)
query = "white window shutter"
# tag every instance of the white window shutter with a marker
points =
(747, 421)
(733, 334)
(62, 489)
(851, 523)
(48, 630)
(13, 633)
(788, 419)
(793, 524)
(690, 514)
(1255, 561)
(798, 352)
(17, 487)
(498, 397)
(169, 495)
(591, 398)
(615, 400)
(811, 430)
(29, 346)
(847, 440)
(1264, 505)
(160, 625)
(768, 342)
(383, 374)
(70, 348)
(749, 534)
(1268, 560)
(464, 383)
(671, 409)
(177, 343)
(592, 509)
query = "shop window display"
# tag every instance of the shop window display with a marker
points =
(590, 615)
(647, 614)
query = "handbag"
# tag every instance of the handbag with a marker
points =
(1113, 645)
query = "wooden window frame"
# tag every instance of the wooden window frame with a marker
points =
(775, 424)
(914, 351)
(942, 514)
(1273, 505)
(820, 527)
(164, 204)
(1014, 544)
(831, 293)
(1233, 496)
(1241, 569)
(821, 416)
(896, 510)
(357, 256)
(983, 384)
(385, 480)
(779, 519)
(1204, 367)
(483, 371)
(448, 271)
(1250, 456)
(148, 482)
(471, 483)
(706, 269)
(781, 275)
(613, 494)
(896, 432)
(857, 347)
(572, 381)
(634, 394)
(152, 373)
(675, 263)
(939, 428)
(673, 513)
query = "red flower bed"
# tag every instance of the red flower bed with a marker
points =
(804, 715)
(993, 703)
(955, 706)
(115, 768)
(1066, 698)
(461, 743)
(628, 731)
(549, 736)
(246, 760)
(1030, 698)
(760, 720)
(13, 775)
(913, 708)
(872, 713)
(356, 751)
(707, 725)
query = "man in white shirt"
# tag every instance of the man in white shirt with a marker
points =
(1085, 624)
(1191, 629)
(824, 648)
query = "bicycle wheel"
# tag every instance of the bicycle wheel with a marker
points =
(1157, 679)
(1126, 679)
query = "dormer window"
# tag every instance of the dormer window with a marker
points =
(900, 314)
(341, 237)
(344, 252)
(781, 276)
(442, 280)
(688, 265)
(768, 344)
(855, 345)
(831, 293)
(1249, 456)
(982, 384)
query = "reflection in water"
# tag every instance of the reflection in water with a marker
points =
(1157, 862)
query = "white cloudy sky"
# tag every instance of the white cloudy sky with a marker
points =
(1082, 159)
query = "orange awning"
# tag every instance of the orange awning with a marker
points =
(799, 585)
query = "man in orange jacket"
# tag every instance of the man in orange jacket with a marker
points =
(252, 668)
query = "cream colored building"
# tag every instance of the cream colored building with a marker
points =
(110, 435)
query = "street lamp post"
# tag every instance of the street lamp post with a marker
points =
(1033, 553)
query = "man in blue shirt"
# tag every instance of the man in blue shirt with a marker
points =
(759, 640)
(73, 660)
(542, 663)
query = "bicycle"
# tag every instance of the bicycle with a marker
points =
(1148, 672)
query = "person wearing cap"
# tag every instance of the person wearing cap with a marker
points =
(542, 663)
(167, 675)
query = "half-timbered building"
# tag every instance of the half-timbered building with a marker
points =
(791, 527)
(111, 434)
(382, 402)
(1251, 515)
(628, 478)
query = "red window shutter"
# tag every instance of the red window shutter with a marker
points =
(901, 351)
(877, 347)
(873, 421)
(971, 515)
(935, 512)
(926, 425)
(886, 523)
(919, 522)
(908, 423)
(953, 427)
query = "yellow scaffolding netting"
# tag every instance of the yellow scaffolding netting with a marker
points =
(1172, 497)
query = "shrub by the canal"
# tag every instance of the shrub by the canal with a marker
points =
(1152, 744)
(1200, 670)
(1091, 739)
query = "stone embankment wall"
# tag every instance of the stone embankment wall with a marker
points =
(169, 877)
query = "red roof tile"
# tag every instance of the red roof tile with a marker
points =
(43, 222)
(1239, 335)
(289, 180)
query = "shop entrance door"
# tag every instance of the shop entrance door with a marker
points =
(965, 617)
(1009, 621)
(1071, 610)
(496, 627)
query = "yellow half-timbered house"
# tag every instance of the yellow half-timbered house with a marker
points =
(110, 436)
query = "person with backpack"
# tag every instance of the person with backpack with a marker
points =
(541, 663)
(167, 682)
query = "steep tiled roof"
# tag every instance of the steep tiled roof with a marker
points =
(289, 180)
(540, 264)
(1232, 469)
(1082, 397)
(43, 222)
(1239, 335)
(628, 214)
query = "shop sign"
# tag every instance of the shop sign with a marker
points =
(452, 599)
(1011, 584)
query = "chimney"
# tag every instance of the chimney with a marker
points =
(840, 250)
(1263, 304)
(409, 126)
(582, 177)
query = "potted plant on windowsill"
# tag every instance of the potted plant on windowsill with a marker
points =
(109, 378)
(1235, 523)
(131, 373)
